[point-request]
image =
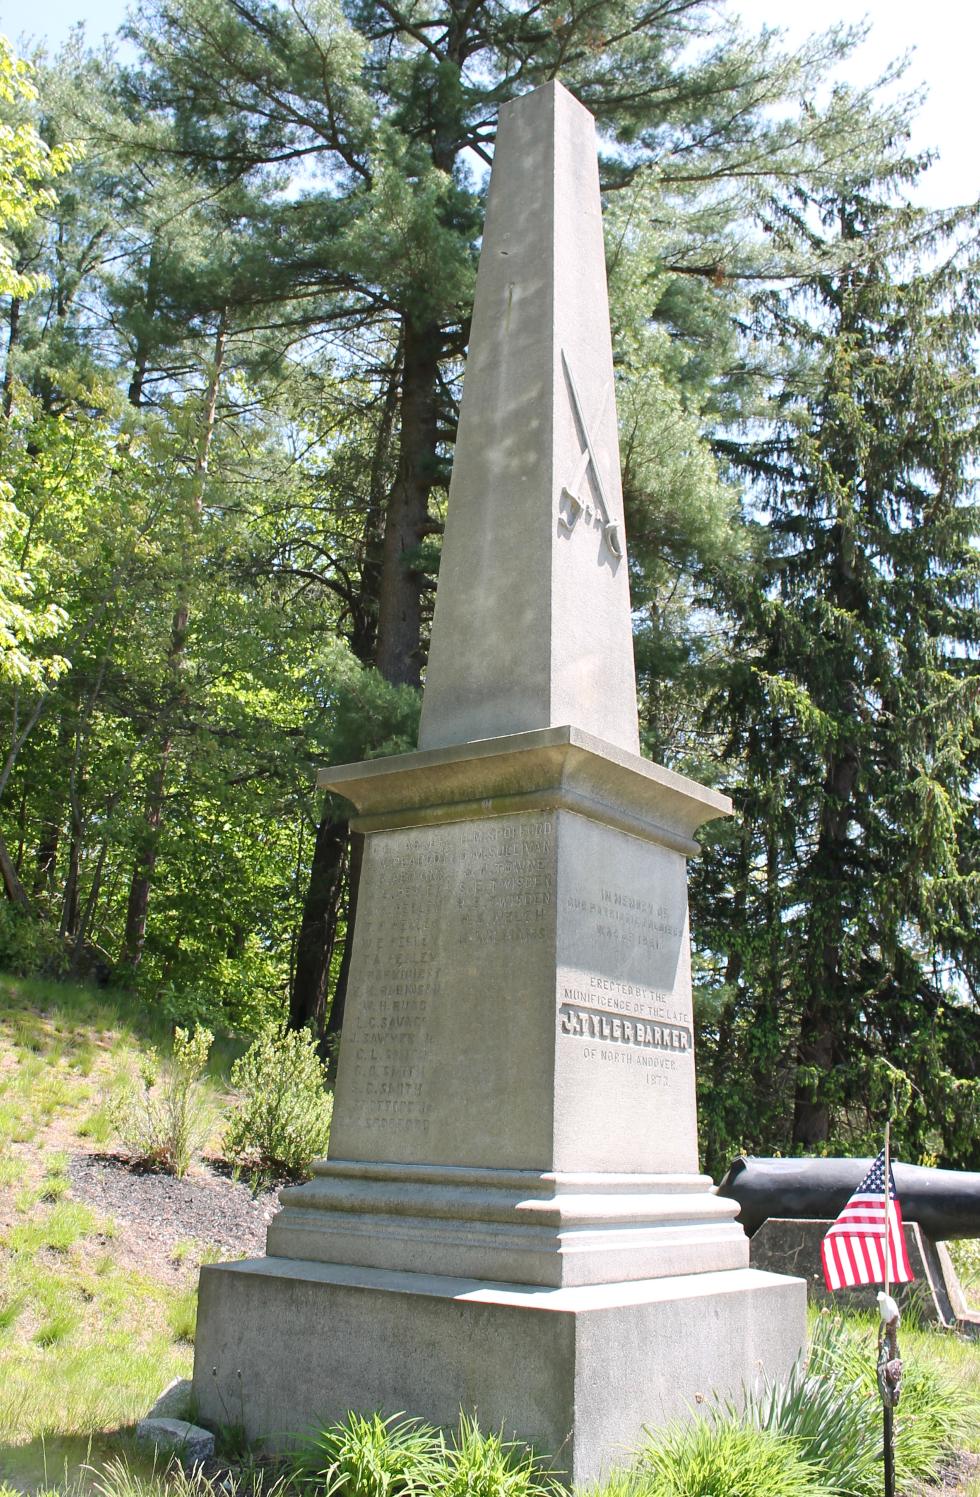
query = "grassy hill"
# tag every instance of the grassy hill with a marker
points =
(91, 1328)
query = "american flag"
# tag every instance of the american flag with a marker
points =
(853, 1251)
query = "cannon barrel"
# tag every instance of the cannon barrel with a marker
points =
(945, 1203)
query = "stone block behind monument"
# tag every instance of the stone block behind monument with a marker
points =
(511, 1219)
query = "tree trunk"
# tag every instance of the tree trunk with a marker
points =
(318, 926)
(13, 887)
(46, 856)
(364, 628)
(69, 903)
(383, 576)
(138, 903)
(8, 372)
(84, 924)
(399, 652)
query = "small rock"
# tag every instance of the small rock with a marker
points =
(174, 1402)
(188, 1441)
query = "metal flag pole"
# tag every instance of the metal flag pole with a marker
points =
(889, 1363)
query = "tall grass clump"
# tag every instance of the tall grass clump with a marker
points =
(122, 1477)
(369, 1456)
(725, 1458)
(169, 1118)
(936, 1412)
(474, 1464)
(827, 1416)
(282, 1117)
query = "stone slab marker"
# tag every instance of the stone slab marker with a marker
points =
(511, 1218)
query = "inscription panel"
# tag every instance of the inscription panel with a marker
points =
(454, 923)
(623, 1016)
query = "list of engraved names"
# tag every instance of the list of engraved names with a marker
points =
(431, 896)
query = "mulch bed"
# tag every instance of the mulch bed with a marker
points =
(207, 1206)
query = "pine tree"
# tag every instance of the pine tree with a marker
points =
(846, 896)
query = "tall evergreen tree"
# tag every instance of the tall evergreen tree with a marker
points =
(846, 896)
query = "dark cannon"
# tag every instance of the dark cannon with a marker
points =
(945, 1203)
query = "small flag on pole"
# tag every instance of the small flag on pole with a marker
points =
(853, 1251)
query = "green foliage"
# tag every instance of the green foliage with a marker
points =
(182, 1316)
(29, 948)
(475, 1464)
(936, 1413)
(724, 1458)
(839, 906)
(827, 1418)
(27, 166)
(370, 1456)
(281, 1121)
(169, 1117)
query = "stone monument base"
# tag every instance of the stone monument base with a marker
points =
(285, 1346)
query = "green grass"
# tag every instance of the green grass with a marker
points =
(725, 1459)
(86, 1343)
(58, 1229)
(182, 1316)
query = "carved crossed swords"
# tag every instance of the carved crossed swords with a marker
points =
(570, 494)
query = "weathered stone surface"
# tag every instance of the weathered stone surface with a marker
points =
(518, 1042)
(578, 1372)
(191, 1443)
(532, 619)
(174, 1402)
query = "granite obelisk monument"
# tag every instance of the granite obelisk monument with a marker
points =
(511, 1220)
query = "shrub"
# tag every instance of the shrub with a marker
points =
(169, 1119)
(282, 1118)
(725, 1458)
(29, 946)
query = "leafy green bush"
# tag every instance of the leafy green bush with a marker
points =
(725, 1458)
(282, 1118)
(29, 946)
(169, 1118)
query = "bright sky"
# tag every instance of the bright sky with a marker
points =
(942, 35)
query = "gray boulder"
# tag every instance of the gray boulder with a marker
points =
(187, 1441)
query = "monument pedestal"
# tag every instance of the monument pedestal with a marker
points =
(488, 1233)
(292, 1346)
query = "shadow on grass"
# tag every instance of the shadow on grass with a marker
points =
(70, 1463)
